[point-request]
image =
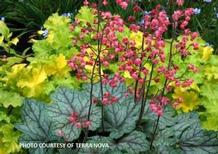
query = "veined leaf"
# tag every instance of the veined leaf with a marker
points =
(120, 117)
(66, 101)
(36, 126)
(185, 135)
(132, 143)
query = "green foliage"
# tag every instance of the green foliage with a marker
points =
(134, 142)
(183, 134)
(179, 133)
(64, 103)
(58, 40)
(38, 76)
(34, 77)
(125, 109)
(37, 127)
(5, 38)
(10, 99)
(9, 139)
(42, 122)
(85, 15)
(8, 136)
(32, 14)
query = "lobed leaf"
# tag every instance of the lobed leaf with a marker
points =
(66, 101)
(120, 117)
(36, 127)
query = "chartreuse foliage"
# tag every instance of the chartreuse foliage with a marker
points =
(58, 40)
(203, 91)
(5, 38)
(177, 133)
(8, 99)
(37, 77)
(46, 70)
(8, 136)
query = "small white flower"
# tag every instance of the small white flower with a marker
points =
(2, 18)
(197, 11)
(67, 14)
(207, 1)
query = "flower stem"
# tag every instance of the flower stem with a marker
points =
(99, 64)
(97, 60)
(140, 69)
(163, 90)
(145, 96)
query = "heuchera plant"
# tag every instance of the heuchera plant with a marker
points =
(127, 100)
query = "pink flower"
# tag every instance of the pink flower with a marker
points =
(73, 117)
(123, 4)
(180, 2)
(86, 2)
(86, 124)
(60, 133)
(78, 125)
(138, 61)
(105, 2)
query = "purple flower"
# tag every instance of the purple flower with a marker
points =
(197, 11)
(207, 1)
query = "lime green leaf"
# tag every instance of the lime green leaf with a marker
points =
(8, 98)
(59, 39)
(9, 140)
(14, 41)
(4, 117)
(189, 99)
(4, 30)
(86, 14)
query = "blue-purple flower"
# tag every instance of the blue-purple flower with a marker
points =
(2, 18)
(197, 11)
(67, 14)
(208, 1)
